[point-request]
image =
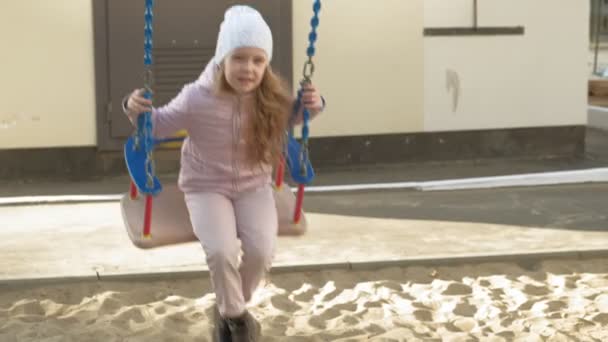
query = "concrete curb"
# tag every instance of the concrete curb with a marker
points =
(428, 261)
(597, 117)
(594, 175)
(62, 199)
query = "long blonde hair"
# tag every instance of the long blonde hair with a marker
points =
(265, 133)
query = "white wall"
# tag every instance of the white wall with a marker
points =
(451, 13)
(369, 65)
(377, 71)
(538, 79)
(47, 94)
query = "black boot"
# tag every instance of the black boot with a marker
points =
(245, 328)
(221, 331)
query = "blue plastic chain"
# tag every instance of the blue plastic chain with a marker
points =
(139, 148)
(145, 120)
(309, 67)
(305, 170)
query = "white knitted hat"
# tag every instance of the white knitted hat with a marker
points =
(243, 26)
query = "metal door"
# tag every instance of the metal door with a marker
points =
(185, 34)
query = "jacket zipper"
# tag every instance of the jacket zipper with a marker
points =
(236, 138)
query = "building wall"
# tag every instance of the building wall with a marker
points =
(370, 65)
(378, 72)
(47, 93)
(538, 79)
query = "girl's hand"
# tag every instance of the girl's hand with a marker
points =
(137, 104)
(311, 98)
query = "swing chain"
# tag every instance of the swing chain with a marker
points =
(304, 159)
(309, 70)
(309, 65)
(150, 169)
(148, 78)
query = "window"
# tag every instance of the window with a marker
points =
(599, 22)
(474, 29)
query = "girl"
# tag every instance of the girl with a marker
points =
(236, 115)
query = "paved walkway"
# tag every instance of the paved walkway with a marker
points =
(347, 229)
(56, 242)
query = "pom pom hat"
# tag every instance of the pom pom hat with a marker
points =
(243, 26)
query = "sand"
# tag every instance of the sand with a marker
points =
(557, 300)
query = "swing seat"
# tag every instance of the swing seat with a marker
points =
(171, 221)
(285, 201)
(295, 165)
(136, 164)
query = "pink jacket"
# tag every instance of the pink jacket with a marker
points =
(213, 156)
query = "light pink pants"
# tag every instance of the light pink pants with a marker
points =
(219, 223)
